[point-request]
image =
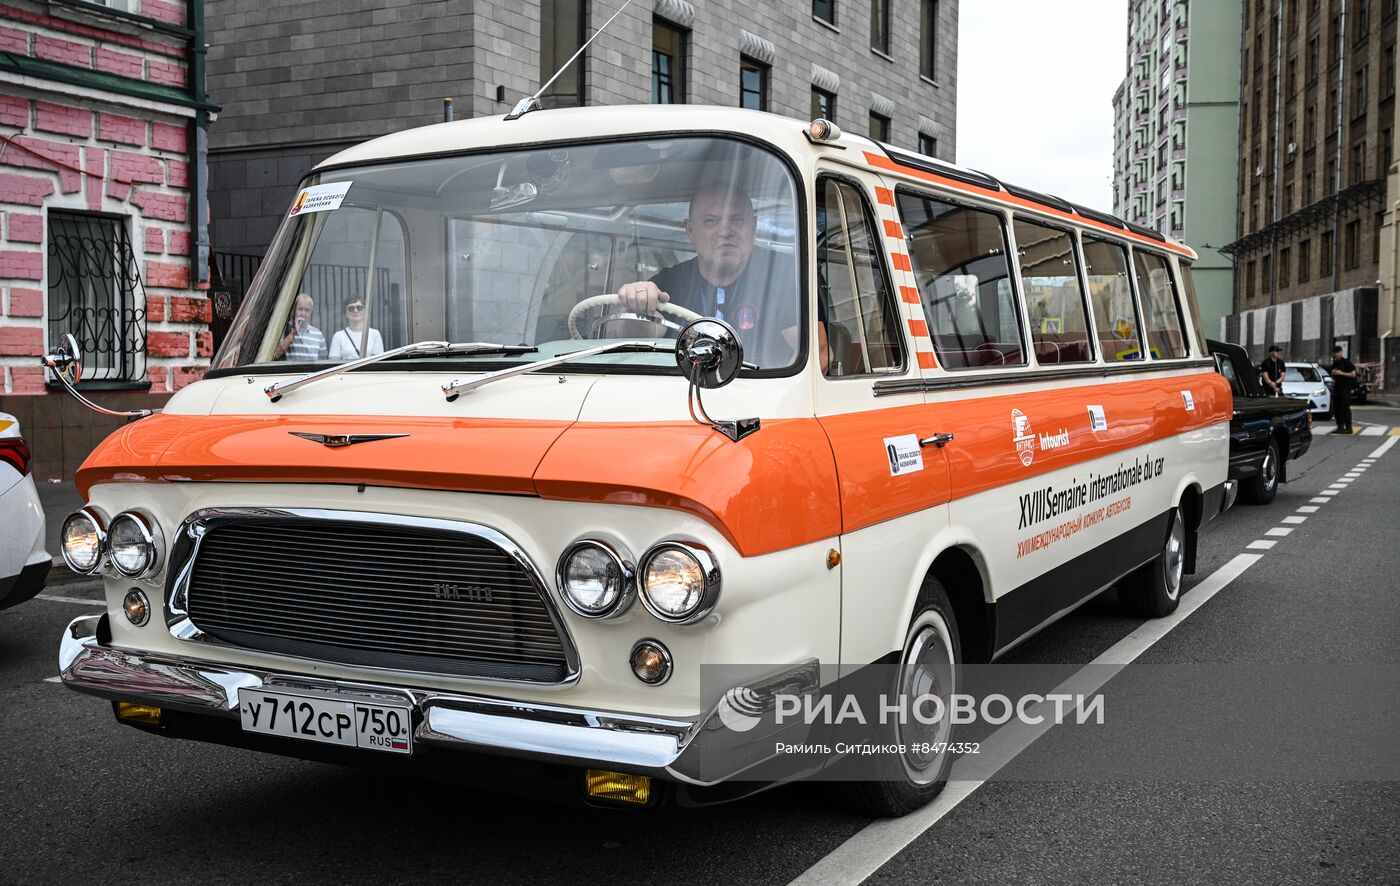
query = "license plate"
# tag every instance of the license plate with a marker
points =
(328, 718)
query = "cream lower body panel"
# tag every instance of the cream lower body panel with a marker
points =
(884, 565)
(776, 609)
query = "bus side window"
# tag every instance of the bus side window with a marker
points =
(1166, 337)
(960, 260)
(1193, 307)
(1115, 316)
(1054, 301)
(863, 328)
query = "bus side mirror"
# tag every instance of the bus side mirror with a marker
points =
(710, 355)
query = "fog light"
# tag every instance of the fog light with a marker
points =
(131, 712)
(618, 787)
(137, 608)
(651, 662)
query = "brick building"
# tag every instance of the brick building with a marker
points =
(1317, 133)
(102, 176)
(303, 80)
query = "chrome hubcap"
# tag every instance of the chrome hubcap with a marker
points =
(1269, 470)
(927, 671)
(1174, 557)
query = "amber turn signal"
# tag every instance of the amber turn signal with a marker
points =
(131, 712)
(618, 787)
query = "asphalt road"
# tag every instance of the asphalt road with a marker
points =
(84, 800)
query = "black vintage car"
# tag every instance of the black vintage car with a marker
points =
(1265, 431)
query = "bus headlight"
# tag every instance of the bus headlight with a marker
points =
(595, 580)
(133, 544)
(83, 539)
(680, 582)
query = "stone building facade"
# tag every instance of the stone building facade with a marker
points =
(102, 122)
(302, 80)
(1317, 132)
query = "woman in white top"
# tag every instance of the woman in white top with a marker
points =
(351, 343)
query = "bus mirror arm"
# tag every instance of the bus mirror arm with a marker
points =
(710, 355)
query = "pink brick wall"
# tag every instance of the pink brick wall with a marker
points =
(63, 119)
(62, 154)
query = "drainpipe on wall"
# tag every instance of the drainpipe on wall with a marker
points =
(1274, 172)
(1337, 178)
(198, 144)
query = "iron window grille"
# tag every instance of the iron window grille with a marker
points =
(96, 293)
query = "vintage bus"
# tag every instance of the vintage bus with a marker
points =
(527, 428)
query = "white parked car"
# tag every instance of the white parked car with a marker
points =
(1307, 381)
(23, 561)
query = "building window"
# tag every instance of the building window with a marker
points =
(753, 85)
(1266, 274)
(1358, 162)
(1307, 188)
(561, 34)
(1358, 93)
(880, 26)
(667, 63)
(879, 127)
(95, 292)
(1249, 273)
(928, 145)
(1310, 126)
(1285, 259)
(928, 39)
(1312, 60)
(1324, 255)
(823, 104)
(1353, 245)
(1304, 261)
(1387, 148)
(1388, 72)
(825, 10)
(1376, 236)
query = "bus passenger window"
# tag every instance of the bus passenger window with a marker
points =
(1165, 336)
(1114, 315)
(960, 262)
(856, 298)
(1054, 300)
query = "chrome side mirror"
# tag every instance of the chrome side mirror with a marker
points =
(710, 355)
(65, 361)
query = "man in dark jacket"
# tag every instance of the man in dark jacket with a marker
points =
(1343, 374)
(1272, 369)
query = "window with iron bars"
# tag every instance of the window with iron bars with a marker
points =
(96, 293)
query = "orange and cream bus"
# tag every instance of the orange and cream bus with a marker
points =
(525, 421)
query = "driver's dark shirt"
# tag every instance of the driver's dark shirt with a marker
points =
(760, 304)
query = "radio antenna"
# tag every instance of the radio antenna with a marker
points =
(532, 103)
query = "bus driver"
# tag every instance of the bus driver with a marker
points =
(729, 279)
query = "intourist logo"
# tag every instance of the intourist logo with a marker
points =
(1055, 441)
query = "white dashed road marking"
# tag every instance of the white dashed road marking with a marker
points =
(1260, 545)
(1295, 519)
(1280, 531)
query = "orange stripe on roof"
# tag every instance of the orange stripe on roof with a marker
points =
(910, 294)
(901, 261)
(880, 161)
(883, 195)
(919, 328)
(926, 360)
(894, 229)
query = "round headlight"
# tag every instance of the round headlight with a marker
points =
(82, 542)
(132, 545)
(594, 580)
(680, 582)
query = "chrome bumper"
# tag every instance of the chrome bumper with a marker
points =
(695, 751)
(1232, 490)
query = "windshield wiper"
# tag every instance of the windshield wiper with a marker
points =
(456, 388)
(276, 391)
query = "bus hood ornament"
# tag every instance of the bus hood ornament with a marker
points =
(338, 441)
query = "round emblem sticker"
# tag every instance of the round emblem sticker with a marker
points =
(1023, 437)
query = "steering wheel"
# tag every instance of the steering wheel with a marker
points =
(612, 298)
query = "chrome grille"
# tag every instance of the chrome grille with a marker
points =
(378, 594)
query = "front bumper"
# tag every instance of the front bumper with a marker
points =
(16, 589)
(698, 752)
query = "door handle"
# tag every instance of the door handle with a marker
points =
(939, 440)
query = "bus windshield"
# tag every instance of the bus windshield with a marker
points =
(517, 247)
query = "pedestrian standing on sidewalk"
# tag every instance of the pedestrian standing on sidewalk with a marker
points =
(1273, 371)
(1343, 374)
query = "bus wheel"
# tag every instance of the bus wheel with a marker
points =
(1155, 588)
(929, 665)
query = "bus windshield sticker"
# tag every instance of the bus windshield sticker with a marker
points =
(1189, 401)
(320, 198)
